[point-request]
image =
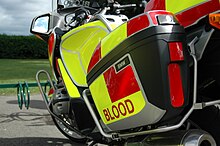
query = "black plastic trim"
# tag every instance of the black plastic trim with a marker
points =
(131, 43)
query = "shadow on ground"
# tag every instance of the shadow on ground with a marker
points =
(36, 104)
(35, 119)
(37, 141)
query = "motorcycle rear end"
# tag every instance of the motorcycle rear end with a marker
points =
(120, 80)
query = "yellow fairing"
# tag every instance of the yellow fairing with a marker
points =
(71, 88)
(77, 47)
(121, 109)
(113, 39)
(176, 6)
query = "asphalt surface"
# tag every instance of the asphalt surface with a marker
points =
(32, 127)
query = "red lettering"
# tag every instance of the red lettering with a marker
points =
(129, 108)
(112, 118)
(106, 115)
(115, 110)
(120, 109)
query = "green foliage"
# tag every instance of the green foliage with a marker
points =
(20, 70)
(22, 47)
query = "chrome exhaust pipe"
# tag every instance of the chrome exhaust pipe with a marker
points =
(177, 138)
(198, 138)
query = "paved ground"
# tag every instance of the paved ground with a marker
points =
(32, 127)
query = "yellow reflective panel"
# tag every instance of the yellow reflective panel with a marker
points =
(121, 109)
(100, 95)
(77, 48)
(113, 26)
(113, 39)
(124, 108)
(176, 6)
(89, 47)
(74, 67)
(90, 24)
(71, 88)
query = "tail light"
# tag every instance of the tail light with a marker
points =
(174, 73)
(214, 20)
(176, 51)
(176, 89)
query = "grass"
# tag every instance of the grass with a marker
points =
(13, 71)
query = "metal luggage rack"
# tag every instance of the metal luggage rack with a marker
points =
(23, 92)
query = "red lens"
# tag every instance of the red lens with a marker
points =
(176, 88)
(176, 51)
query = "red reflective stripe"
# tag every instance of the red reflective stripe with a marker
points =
(137, 24)
(176, 88)
(121, 84)
(95, 58)
(155, 5)
(51, 44)
(176, 51)
(192, 15)
(189, 16)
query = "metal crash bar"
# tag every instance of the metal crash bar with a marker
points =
(23, 92)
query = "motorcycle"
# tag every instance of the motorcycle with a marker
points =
(135, 73)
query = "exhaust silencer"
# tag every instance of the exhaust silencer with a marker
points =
(177, 138)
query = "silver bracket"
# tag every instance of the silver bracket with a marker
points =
(192, 46)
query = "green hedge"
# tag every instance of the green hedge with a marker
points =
(22, 47)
